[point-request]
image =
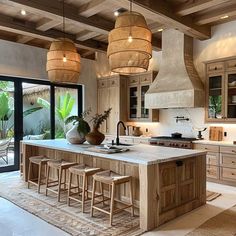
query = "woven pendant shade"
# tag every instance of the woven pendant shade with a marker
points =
(130, 57)
(63, 62)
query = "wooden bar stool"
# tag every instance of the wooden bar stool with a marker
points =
(40, 161)
(61, 167)
(80, 171)
(112, 179)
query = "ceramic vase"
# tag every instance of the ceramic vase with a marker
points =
(95, 137)
(75, 137)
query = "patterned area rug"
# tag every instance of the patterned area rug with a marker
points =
(224, 224)
(69, 219)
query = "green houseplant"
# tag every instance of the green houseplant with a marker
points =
(76, 135)
(95, 137)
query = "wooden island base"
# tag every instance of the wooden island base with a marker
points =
(161, 191)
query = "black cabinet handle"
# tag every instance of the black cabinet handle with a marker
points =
(179, 163)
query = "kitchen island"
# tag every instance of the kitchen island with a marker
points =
(167, 182)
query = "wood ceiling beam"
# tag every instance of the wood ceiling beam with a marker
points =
(196, 6)
(10, 24)
(24, 39)
(160, 11)
(53, 9)
(216, 15)
(92, 8)
(46, 24)
(85, 35)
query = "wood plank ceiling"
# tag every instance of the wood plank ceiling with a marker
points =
(88, 22)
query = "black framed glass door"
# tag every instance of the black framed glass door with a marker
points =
(28, 110)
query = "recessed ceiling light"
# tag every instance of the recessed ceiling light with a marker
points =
(159, 30)
(23, 12)
(116, 13)
(224, 17)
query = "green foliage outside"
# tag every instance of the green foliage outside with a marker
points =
(215, 105)
(63, 109)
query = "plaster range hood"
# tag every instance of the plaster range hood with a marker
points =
(177, 84)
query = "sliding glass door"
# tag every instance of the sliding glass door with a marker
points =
(33, 110)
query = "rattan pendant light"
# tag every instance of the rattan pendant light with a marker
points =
(63, 61)
(130, 48)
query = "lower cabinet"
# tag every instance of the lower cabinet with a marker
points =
(221, 163)
(177, 183)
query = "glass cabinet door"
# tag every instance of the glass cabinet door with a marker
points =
(144, 111)
(231, 95)
(215, 102)
(133, 102)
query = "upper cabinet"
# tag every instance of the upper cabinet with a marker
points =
(112, 93)
(221, 91)
(138, 85)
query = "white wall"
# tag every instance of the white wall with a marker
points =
(20, 60)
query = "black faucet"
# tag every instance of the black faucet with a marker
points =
(117, 131)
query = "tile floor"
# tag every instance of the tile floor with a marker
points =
(16, 222)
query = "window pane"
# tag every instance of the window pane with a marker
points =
(6, 124)
(36, 111)
(66, 104)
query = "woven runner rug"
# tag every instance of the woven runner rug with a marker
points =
(210, 196)
(223, 224)
(69, 219)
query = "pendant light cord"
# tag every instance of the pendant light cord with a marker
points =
(130, 5)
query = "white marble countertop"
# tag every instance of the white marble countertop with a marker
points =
(139, 154)
(220, 143)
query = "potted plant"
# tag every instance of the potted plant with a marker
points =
(76, 135)
(95, 137)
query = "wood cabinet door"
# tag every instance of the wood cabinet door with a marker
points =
(230, 96)
(103, 104)
(114, 94)
(215, 97)
(168, 186)
(187, 180)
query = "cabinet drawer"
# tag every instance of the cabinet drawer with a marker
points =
(231, 65)
(102, 83)
(212, 158)
(209, 148)
(212, 172)
(214, 67)
(229, 150)
(145, 79)
(113, 83)
(228, 160)
(228, 174)
(133, 81)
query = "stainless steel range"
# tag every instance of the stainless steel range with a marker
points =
(167, 141)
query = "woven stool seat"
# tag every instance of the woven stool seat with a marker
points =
(83, 169)
(109, 177)
(39, 159)
(60, 164)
